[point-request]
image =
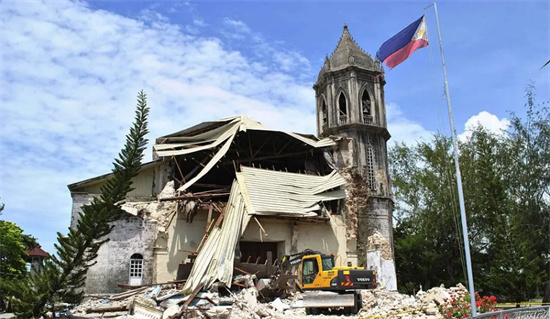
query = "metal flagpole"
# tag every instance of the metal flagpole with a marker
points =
(458, 176)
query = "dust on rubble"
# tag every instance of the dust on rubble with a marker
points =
(166, 302)
(377, 242)
(160, 213)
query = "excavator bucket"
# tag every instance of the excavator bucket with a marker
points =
(327, 299)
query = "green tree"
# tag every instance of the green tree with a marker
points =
(427, 245)
(12, 263)
(506, 181)
(12, 250)
(527, 173)
(64, 274)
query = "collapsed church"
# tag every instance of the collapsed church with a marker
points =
(234, 192)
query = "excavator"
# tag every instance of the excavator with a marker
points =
(325, 285)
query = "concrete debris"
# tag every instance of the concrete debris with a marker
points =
(377, 242)
(164, 302)
(168, 191)
(159, 213)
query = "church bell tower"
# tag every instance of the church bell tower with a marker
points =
(350, 108)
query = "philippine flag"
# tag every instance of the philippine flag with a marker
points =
(399, 47)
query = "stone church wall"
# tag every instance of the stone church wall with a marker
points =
(131, 235)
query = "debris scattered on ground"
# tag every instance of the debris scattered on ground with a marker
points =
(165, 302)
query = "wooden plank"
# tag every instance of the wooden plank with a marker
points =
(186, 177)
(107, 309)
(192, 196)
(209, 218)
(189, 299)
(260, 225)
(238, 285)
(127, 294)
(203, 240)
(260, 148)
(222, 215)
(211, 185)
(194, 252)
(242, 271)
(240, 160)
(178, 166)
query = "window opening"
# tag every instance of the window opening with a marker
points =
(342, 109)
(328, 263)
(370, 168)
(366, 108)
(136, 269)
(309, 270)
(324, 114)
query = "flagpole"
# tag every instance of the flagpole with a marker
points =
(458, 176)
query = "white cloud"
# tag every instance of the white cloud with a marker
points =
(69, 78)
(487, 120)
(70, 75)
(238, 26)
(404, 130)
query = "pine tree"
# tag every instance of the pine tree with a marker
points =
(63, 277)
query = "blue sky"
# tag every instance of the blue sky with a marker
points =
(70, 72)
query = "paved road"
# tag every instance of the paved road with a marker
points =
(6, 315)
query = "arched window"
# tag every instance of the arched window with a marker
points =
(324, 114)
(136, 269)
(366, 108)
(342, 109)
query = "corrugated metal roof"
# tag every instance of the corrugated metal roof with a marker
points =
(258, 192)
(218, 134)
(215, 260)
(273, 192)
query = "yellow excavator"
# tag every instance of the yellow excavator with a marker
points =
(325, 285)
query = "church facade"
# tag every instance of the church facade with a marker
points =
(237, 188)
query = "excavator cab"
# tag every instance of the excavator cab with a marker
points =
(313, 271)
(326, 285)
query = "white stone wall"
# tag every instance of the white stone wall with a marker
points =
(131, 235)
(79, 200)
(168, 252)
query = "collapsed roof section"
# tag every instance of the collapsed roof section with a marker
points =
(279, 193)
(216, 148)
(259, 192)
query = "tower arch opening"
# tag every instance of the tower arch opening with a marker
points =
(366, 108)
(342, 109)
(324, 114)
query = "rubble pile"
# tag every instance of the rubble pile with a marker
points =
(165, 302)
(380, 302)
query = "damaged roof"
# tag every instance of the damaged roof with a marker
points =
(218, 136)
(210, 134)
(269, 192)
(259, 192)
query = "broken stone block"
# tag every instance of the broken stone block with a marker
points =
(171, 312)
(218, 312)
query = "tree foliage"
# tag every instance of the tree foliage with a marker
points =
(12, 258)
(506, 183)
(64, 275)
